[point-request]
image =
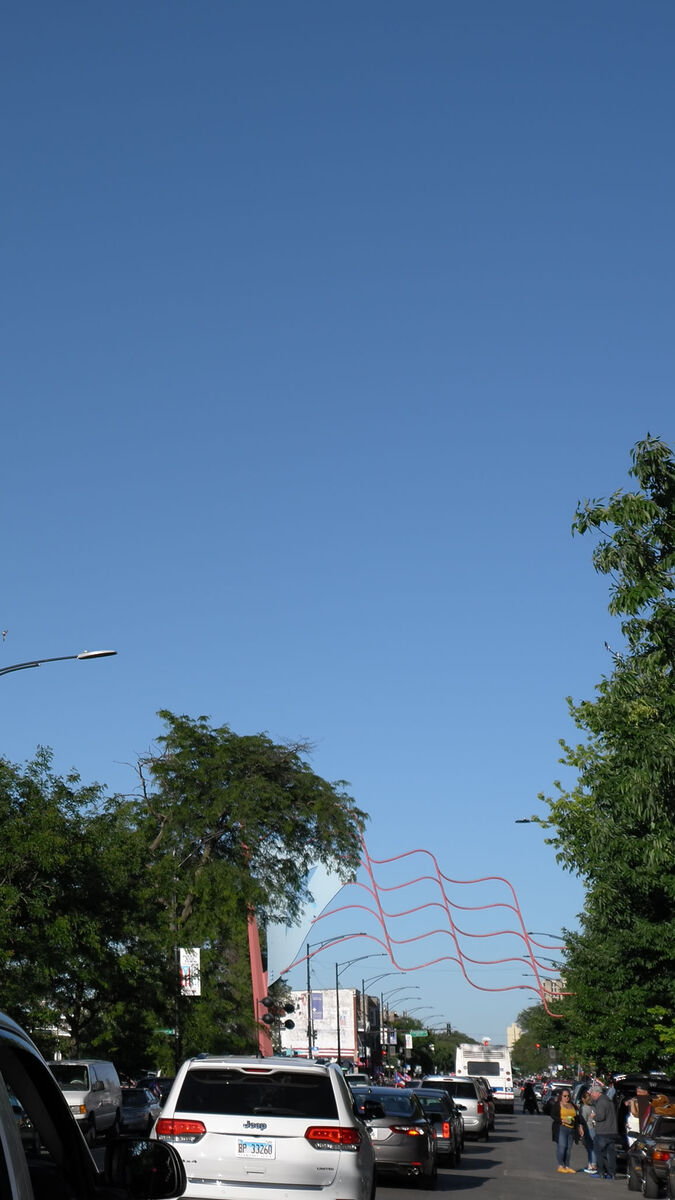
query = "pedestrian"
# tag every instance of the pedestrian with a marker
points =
(588, 1131)
(641, 1106)
(565, 1125)
(606, 1132)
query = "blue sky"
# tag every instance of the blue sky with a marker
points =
(318, 322)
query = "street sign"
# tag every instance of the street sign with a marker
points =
(419, 1032)
(172, 1031)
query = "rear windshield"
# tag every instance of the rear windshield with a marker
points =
(279, 1094)
(664, 1127)
(434, 1104)
(461, 1087)
(481, 1067)
(396, 1106)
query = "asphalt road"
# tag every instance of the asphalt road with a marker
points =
(517, 1163)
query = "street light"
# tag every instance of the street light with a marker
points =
(409, 987)
(60, 658)
(339, 968)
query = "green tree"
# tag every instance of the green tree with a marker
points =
(233, 824)
(614, 827)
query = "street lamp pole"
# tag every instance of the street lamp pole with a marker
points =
(59, 658)
(339, 968)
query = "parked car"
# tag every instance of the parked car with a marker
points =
(273, 1125)
(470, 1101)
(140, 1110)
(650, 1154)
(63, 1166)
(402, 1136)
(94, 1093)
(439, 1108)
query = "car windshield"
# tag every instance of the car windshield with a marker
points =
(433, 1104)
(395, 1105)
(461, 1087)
(663, 1127)
(279, 1093)
(71, 1076)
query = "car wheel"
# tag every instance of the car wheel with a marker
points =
(429, 1182)
(90, 1132)
(485, 1134)
(634, 1180)
(650, 1184)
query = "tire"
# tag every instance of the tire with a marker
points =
(650, 1184)
(634, 1180)
(90, 1134)
(429, 1182)
(485, 1136)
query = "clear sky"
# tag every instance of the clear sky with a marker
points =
(318, 322)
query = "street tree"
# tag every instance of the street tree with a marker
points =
(614, 826)
(233, 823)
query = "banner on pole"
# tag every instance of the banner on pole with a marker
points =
(189, 971)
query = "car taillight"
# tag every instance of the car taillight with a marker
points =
(479, 1108)
(180, 1130)
(661, 1155)
(411, 1130)
(445, 1130)
(333, 1137)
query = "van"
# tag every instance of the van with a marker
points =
(92, 1088)
(469, 1098)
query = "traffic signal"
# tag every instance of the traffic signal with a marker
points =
(276, 1011)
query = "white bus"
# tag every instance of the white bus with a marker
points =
(493, 1063)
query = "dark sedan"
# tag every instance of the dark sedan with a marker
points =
(649, 1156)
(140, 1110)
(402, 1137)
(439, 1108)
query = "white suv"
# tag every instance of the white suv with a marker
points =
(249, 1127)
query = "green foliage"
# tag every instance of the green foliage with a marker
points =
(97, 892)
(614, 827)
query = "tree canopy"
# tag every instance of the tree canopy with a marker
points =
(614, 827)
(97, 892)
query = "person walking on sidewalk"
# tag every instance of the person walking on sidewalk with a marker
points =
(588, 1131)
(565, 1126)
(606, 1132)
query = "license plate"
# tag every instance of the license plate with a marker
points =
(254, 1149)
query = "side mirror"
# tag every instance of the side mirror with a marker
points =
(145, 1170)
(461, 1107)
(97, 1086)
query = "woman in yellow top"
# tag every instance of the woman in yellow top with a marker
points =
(565, 1118)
